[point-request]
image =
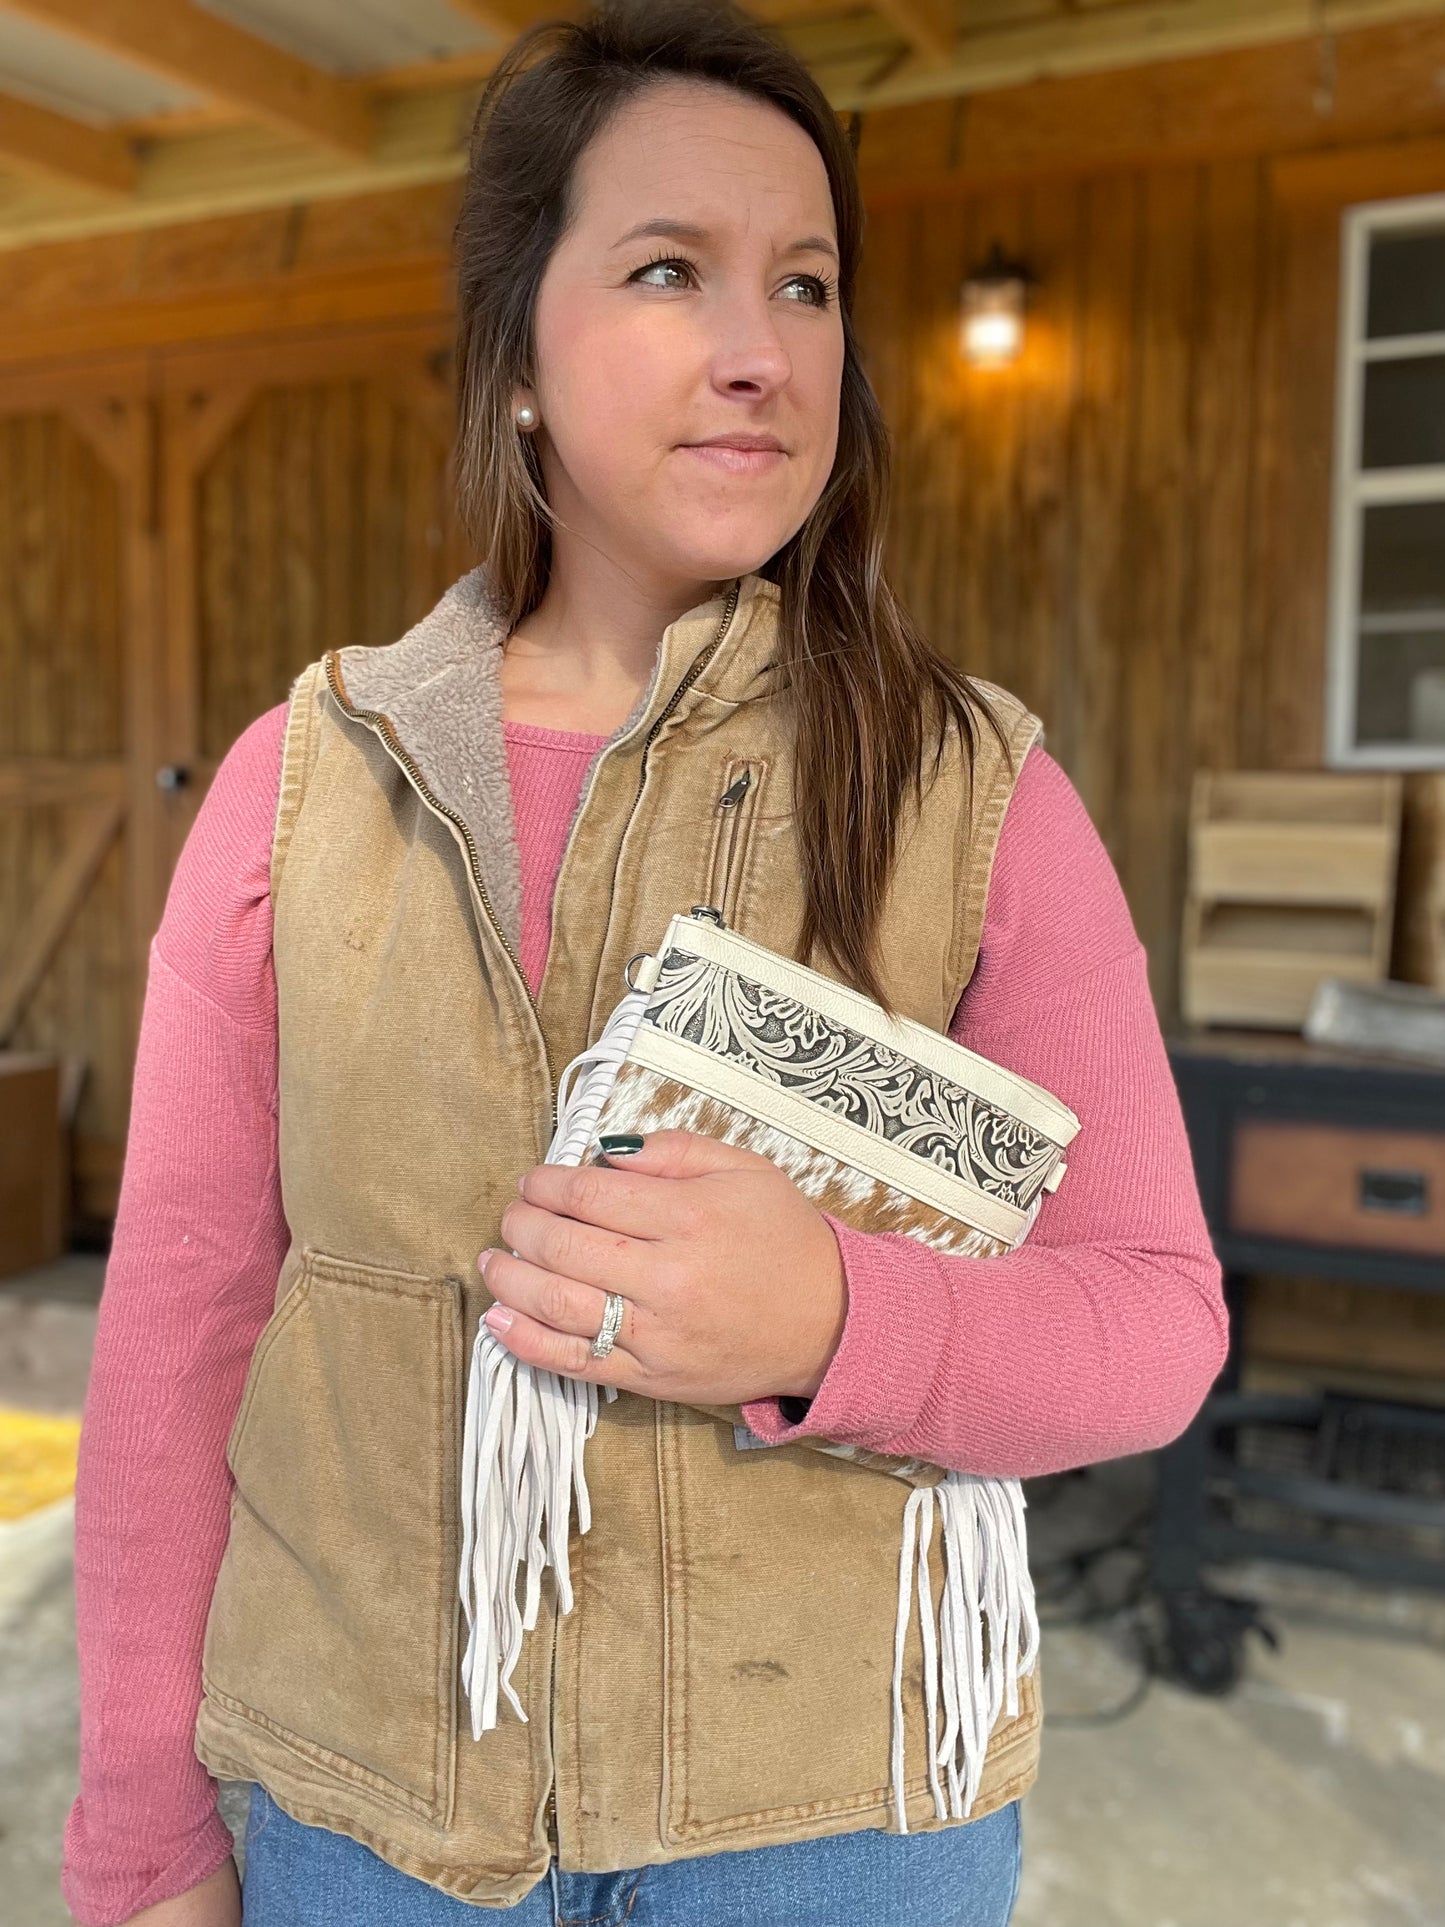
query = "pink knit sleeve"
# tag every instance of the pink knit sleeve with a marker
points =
(1103, 1332)
(199, 1241)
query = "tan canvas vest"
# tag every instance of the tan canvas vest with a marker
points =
(724, 1679)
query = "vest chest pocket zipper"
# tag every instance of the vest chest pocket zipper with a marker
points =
(734, 817)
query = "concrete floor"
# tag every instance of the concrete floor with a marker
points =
(1312, 1796)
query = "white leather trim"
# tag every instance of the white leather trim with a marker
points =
(1030, 1103)
(702, 1070)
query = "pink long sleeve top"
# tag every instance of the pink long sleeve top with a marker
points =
(1100, 1336)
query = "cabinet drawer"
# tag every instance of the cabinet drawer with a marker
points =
(1338, 1184)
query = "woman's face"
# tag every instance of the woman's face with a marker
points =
(692, 297)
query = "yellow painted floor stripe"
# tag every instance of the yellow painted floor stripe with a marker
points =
(37, 1460)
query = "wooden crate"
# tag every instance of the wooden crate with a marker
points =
(32, 1164)
(1291, 879)
(1420, 923)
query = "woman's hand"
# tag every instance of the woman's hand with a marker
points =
(733, 1280)
(212, 1902)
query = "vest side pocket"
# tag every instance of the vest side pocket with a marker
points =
(781, 1572)
(341, 1560)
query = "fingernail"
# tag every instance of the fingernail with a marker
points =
(620, 1143)
(484, 1261)
(498, 1317)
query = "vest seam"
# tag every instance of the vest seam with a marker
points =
(230, 1766)
(345, 1770)
(297, 760)
(227, 1765)
(450, 1394)
(579, 1635)
(983, 835)
(874, 1798)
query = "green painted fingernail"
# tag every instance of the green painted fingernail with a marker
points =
(622, 1141)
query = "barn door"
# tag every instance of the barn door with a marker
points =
(179, 535)
(306, 505)
(78, 875)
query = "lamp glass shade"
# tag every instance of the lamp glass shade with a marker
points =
(991, 324)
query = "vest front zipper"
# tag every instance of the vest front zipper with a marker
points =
(381, 725)
(699, 663)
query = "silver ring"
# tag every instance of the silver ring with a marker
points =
(611, 1324)
(627, 967)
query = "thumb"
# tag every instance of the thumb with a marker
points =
(673, 1154)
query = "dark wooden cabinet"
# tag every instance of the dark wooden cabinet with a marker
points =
(1331, 1165)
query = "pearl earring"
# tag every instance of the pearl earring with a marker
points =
(525, 416)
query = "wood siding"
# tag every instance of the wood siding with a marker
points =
(1129, 528)
(1086, 526)
(183, 533)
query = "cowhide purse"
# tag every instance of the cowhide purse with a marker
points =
(891, 1126)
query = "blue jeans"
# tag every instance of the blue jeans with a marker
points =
(958, 1876)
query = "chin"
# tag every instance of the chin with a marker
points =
(716, 556)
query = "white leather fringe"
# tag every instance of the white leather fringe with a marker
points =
(522, 1449)
(986, 1572)
(523, 1434)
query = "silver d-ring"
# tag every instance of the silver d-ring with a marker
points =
(627, 967)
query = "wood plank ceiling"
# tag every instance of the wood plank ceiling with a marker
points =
(120, 114)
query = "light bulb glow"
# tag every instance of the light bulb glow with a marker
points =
(992, 336)
(991, 318)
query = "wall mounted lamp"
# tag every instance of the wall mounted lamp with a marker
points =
(991, 317)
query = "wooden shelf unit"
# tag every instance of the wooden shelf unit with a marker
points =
(1291, 879)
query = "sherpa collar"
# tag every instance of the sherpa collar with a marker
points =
(438, 687)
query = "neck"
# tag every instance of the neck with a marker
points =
(597, 628)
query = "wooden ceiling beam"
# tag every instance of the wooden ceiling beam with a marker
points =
(927, 25)
(42, 142)
(1132, 34)
(1236, 102)
(202, 51)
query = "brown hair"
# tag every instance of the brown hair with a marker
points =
(863, 681)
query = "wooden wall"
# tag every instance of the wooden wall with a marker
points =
(224, 447)
(179, 533)
(1129, 527)
(1092, 527)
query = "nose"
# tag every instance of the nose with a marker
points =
(749, 356)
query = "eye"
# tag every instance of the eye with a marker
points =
(820, 288)
(677, 261)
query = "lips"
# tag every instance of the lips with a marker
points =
(766, 444)
(752, 455)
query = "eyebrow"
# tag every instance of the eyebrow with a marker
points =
(668, 229)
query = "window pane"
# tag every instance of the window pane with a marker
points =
(1404, 412)
(1403, 561)
(1407, 284)
(1401, 692)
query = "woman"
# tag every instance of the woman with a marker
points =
(675, 468)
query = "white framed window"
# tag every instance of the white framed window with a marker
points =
(1385, 683)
